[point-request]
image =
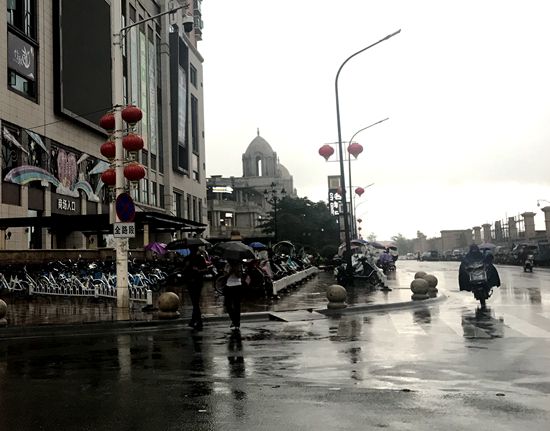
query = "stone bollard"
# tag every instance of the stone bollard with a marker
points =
(169, 304)
(336, 296)
(432, 283)
(3, 312)
(419, 287)
(420, 274)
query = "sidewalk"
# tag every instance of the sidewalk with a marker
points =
(27, 316)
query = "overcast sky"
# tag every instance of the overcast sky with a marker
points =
(466, 87)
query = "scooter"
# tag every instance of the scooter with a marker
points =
(478, 281)
(529, 263)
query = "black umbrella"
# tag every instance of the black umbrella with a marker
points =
(234, 250)
(186, 243)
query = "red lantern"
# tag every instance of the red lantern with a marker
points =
(131, 114)
(359, 191)
(326, 151)
(108, 150)
(134, 172)
(359, 221)
(132, 142)
(107, 122)
(355, 149)
(109, 177)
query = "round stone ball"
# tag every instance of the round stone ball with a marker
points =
(419, 296)
(420, 286)
(169, 302)
(431, 279)
(420, 274)
(336, 293)
(3, 309)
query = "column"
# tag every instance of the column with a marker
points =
(512, 229)
(498, 231)
(477, 234)
(546, 211)
(486, 232)
(145, 234)
(529, 220)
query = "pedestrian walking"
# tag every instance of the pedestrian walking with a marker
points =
(233, 291)
(194, 268)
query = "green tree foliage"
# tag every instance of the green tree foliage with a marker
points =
(304, 223)
(403, 244)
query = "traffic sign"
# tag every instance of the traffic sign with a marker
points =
(124, 230)
(125, 208)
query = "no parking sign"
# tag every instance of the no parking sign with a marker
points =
(125, 208)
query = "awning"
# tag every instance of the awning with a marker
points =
(100, 223)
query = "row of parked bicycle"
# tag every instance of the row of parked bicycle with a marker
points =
(79, 278)
(82, 278)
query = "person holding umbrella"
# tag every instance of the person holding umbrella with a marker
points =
(194, 268)
(233, 291)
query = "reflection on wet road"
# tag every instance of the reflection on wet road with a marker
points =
(402, 369)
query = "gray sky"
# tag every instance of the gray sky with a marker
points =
(466, 85)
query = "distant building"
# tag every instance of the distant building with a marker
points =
(238, 203)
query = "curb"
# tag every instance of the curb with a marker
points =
(125, 326)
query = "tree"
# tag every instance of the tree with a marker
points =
(303, 222)
(403, 244)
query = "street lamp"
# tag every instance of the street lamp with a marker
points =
(272, 197)
(342, 175)
(117, 75)
(349, 162)
(541, 200)
(354, 215)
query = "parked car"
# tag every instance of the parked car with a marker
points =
(430, 255)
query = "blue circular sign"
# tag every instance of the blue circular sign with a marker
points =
(125, 208)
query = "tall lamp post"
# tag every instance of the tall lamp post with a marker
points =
(342, 174)
(117, 35)
(272, 197)
(358, 191)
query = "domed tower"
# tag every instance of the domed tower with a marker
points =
(259, 159)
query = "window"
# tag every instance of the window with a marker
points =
(22, 16)
(145, 190)
(189, 206)
(178, 201)
(22, 47)
(193, 75)
(153, 193)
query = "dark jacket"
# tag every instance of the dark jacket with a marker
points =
(473, 257)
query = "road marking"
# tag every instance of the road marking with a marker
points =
(523, 327)
(454, 324)
(404, 324)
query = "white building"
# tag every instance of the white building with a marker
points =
(240, 203)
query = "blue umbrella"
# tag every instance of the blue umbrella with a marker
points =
(183, 251)
(257, 245)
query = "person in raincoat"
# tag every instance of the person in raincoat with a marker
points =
(473, 256)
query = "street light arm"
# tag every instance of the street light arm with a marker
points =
(368, 127)
(364, 49)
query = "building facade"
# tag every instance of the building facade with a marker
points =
(239, 203)
(56, 86)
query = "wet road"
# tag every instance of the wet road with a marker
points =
(449, 367)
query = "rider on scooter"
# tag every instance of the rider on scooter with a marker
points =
(473, 256)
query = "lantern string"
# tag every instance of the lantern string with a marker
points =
(74, 116)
